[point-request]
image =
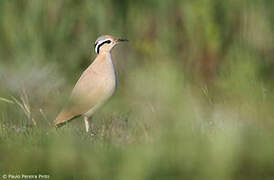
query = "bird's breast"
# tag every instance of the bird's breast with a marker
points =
(105, 86)
(108, 77)
(109, 83)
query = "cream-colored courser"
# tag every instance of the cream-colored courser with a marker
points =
(95, 86)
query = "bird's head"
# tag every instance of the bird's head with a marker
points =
(105, 43)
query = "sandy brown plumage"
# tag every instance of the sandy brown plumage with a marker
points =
(95, 86)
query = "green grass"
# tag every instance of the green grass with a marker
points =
(169, 131)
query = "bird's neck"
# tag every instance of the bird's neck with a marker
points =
(104, 56)
(103, 62)
(104, 53)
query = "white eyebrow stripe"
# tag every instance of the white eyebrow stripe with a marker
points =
(99, 43)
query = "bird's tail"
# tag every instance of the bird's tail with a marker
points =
(63, 119)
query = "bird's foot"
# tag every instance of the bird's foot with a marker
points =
(92, 133)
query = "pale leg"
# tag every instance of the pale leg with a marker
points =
(86, 123)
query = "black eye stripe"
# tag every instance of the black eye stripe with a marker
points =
(108, 41)
(99, 45)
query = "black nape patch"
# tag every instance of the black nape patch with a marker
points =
(95, 45)
(99, 45)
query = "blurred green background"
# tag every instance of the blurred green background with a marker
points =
(195, 93)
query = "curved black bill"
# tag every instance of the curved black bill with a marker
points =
(122, 40)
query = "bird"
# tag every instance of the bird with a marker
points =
(94, 87)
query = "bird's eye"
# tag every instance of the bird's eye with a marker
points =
(108, 41)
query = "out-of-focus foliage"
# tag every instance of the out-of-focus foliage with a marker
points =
(195, 96)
